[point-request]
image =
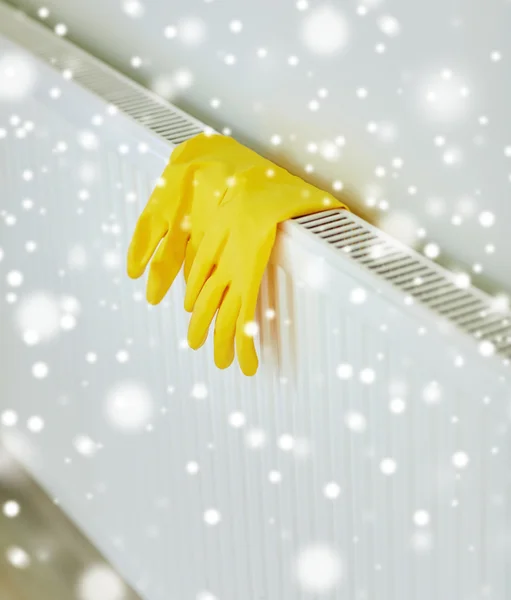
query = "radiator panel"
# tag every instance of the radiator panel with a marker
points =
(291, 458)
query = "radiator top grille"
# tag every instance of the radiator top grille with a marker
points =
(137, 102)
(418, 278)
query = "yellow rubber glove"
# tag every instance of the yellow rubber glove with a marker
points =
(171, 226)
(232, 257)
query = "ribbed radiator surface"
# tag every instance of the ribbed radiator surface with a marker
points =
(367, 460)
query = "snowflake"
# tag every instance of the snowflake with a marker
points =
(183, 78)
(60, 29)
(389, 25)
(443, 97)
(462, 280)
(99, 582)
(199, 391)
(388, 466)
(367, 376)
(500, 303)
(205, 595)
(325, 31)
(9, 418)
(452, 156)
(460, 460)
(67, 322)
(70, 305)
(432, 393)
(251, 329)
(35, 424)
(331, 490)
(355, 421)
(301, 448)
(212, 516)
(164, 86)
(421, 518)
(329, 151)
(422, 542)
(88, 140)
(14, 278)
(122, 356)
(487, 219)
(170, 32)
(40, 370)
(133, 8)
(17, 77)
(286, 442)
(397, 406)
(274, 477)
(18, 557)
(237, 420)
(11, 509)
(112, 259)
(401, 225)
(191, 31)
(192, 467)
(358, 296)
(431, 250)
(77, 258)
(318, 569)
(85, 446)
(129, 407)
(344, 371)
(255, 438)
(236, 26)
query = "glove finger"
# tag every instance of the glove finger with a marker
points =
(204, 311)
(202, 267)
(149, 231)
(191, 251)
(166, 207)
(203, 214)
(225, 329)
(246, 330)
(246, 327)
(166, 264)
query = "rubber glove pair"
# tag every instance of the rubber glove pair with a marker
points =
(194, 182)
(218, 211)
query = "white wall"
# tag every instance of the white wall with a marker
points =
(441, 48)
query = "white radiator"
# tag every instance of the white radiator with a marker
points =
(367, 460)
